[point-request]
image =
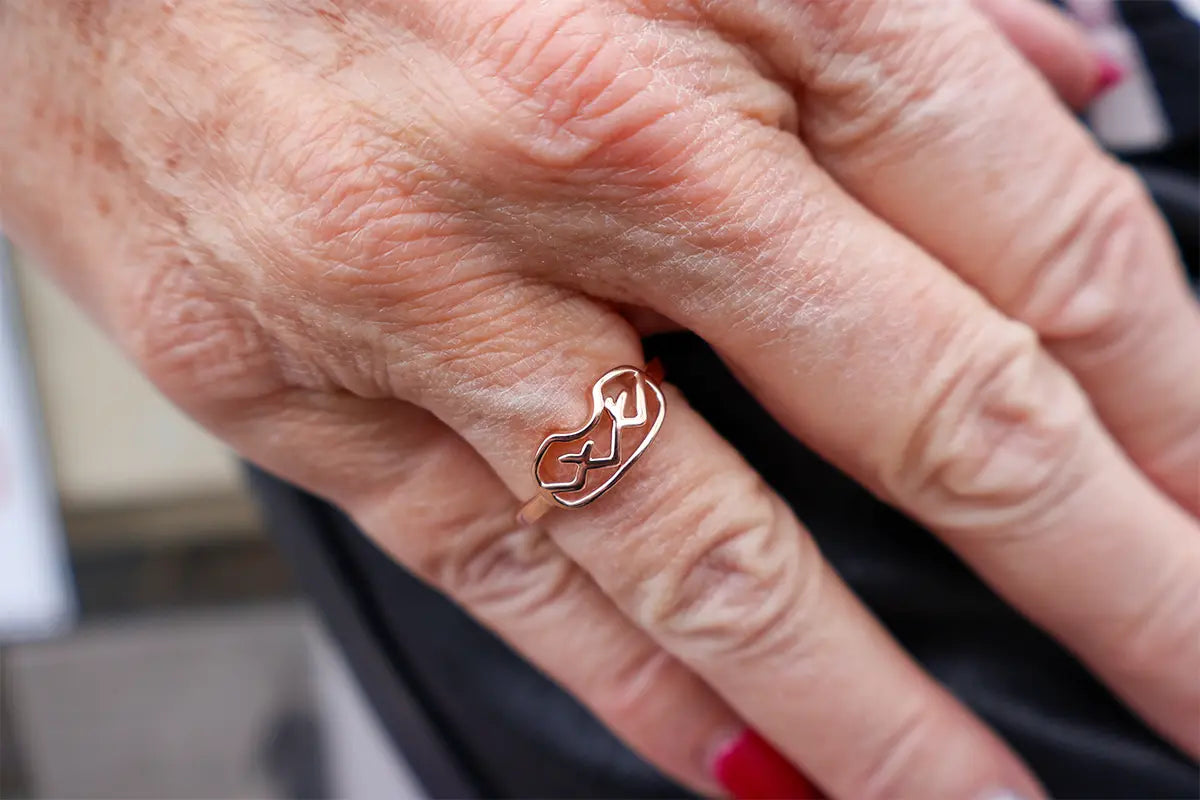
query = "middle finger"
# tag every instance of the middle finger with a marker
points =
(890, 366)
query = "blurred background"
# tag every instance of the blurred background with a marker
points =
(152, 642)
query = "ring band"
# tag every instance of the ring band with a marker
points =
(575, 468)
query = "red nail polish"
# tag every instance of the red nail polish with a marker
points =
(1109, 74)
(750, 769)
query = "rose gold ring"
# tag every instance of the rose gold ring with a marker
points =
(576, 468)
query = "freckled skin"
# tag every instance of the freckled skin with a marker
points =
(382, 248)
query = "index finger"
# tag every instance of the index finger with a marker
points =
(924, 113)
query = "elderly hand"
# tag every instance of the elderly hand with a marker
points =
(383, 247)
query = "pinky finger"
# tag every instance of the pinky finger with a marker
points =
(1055, 45)
(433, 504)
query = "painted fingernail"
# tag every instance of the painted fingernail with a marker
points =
(1108, 74)
(751, 769)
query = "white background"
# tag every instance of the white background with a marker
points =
(36, 597)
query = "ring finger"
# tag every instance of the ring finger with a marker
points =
(699, 553)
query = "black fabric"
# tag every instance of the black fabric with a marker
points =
(1167, 39)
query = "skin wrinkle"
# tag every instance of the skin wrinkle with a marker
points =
(528, 385)
(342, 428)
(496, 567)
(317, 314)
(188, 339)
(1147, 378)
(583, 620)
(1010, 455)
(772, 302)
(740, 579)
(701, 220)
(1067, 291)
(1087, 284)
(549, 83)
(902, 740)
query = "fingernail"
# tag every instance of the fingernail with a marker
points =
(1004, 794)
(751, 769)
(1108, 74)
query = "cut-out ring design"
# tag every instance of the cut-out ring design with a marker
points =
(575, 468)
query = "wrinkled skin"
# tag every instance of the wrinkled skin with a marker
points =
(382, 247)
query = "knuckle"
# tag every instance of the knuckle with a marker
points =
(885, 768)
(882, 71)
(1086, 278)
(733, 587)
(192, 343)
(564, 79)
(630, 683)
(367, 217)
(466, 345)
(493, 567)
(1177, 464)
(920, 743)
(370, 237)
(916, 746)
(996, 443)
(1163, 635)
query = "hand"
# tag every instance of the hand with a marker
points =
(379, 247)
